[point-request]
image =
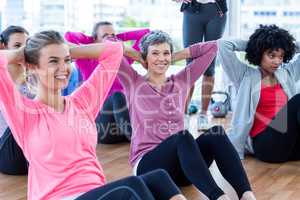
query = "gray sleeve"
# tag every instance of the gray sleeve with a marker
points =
(294, 65)
(233, 67)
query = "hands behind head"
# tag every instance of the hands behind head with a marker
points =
(16, 56)
(135, 55)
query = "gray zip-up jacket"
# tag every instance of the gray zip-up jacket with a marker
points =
(247, 81)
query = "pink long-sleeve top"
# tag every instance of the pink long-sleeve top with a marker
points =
(60, 146)
(86, 66)
(155, 115)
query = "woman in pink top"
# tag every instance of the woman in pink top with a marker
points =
(113, 122)
(58, 134)
(156, 105)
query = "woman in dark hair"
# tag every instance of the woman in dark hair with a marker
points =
(12, 160)
(267, 123)
(58, 133)
(13, 37)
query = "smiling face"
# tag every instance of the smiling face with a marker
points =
(16, 40)
(271, 60)
(158, 58)
(54, 67)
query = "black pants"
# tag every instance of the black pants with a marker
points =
(154, 185)
(204, 25)
(280, 141)
(113, 122)
(187, 161)
(12, 160)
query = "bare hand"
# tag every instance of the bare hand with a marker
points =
(20, 58)
(15, 56)
(142, 62)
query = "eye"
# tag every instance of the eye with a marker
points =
(167, 53)
(17, 46)
(271, 56)
(104, 35)
(53, 61)
(68, 60)
(155, 53)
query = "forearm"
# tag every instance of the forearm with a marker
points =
(193, 51)
(132, 35)
(236, 44)
(132, 53)
(13, 56)
(91, 51)
(78, 38)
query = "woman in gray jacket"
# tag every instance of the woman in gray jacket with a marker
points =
(266, 121)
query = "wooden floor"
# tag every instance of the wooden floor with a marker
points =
(269, 181)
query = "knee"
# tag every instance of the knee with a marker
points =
(217, 130)
(217, 134)
(134, 181)
(185, 136)
(160, 173)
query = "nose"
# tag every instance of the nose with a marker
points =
(161, 57)
(277, 61)
(64, 66)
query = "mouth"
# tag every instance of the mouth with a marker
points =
(161, 66)
(61, 76)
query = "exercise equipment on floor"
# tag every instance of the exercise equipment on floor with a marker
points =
(219, 104)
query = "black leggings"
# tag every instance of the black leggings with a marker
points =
(113, 122)
(280, 141)
(154, 185)
(187, 161)
(12, 160)
(206, 24)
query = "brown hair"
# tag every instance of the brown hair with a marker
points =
(35, 43)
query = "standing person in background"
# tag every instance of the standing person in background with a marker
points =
(203, 20)
(12, 160)
(113, 122)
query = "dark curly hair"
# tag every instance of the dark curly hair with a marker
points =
(270, 37)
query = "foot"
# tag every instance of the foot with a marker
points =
(249, 195)
(202, 122)
(224, 197)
